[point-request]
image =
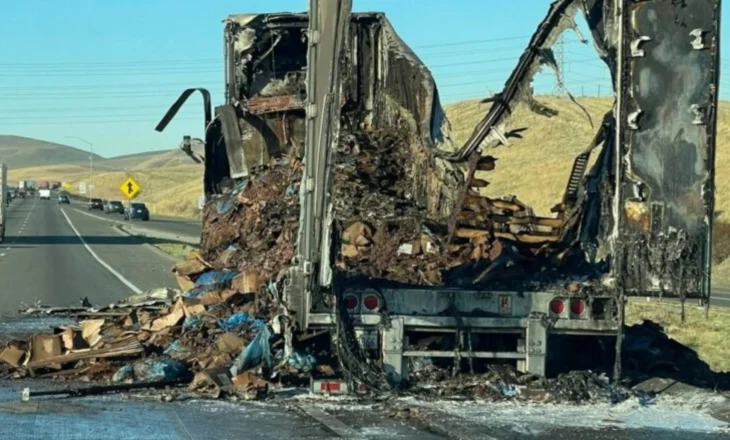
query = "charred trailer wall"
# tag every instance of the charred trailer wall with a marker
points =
(388, 88)
(666, 143)
(262, 133)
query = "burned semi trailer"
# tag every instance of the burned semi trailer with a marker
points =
(331, 179)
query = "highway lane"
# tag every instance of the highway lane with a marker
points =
(190, 228)
(43, 259)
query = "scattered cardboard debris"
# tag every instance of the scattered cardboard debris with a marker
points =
(91, 330)
(12, 355)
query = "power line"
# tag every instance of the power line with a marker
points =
(115, 73)
(114, 66)
(458, 43)
(169, 95)
(115, 85)
(152, 122)
(81, 109)
(112, 63)
(111, 92)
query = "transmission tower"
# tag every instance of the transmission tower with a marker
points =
(559, 53)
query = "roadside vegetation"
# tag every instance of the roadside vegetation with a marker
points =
(179, 251)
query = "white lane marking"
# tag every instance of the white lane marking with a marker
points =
(111, 270)
(99, 218)
(22, 227)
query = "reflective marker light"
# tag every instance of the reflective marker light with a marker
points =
(371, 302)
(577, 307)
(557, 306)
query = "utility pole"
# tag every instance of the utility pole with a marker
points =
(91, 160)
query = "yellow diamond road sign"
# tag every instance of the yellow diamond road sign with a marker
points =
(129, 188)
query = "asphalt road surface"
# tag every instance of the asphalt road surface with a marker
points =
(112, 417)
(57, 255)
(189, 228)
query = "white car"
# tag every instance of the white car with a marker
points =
(44, 194)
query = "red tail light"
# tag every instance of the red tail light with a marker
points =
(371, 302)
(557, 306)
(577, 307)
(350, 302)
(329, 386)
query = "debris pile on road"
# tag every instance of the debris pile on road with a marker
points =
(222, 339)
(217, 336)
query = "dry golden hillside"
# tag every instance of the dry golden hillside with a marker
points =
(536, 167)
(170, 190)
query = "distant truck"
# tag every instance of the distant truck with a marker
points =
(44, 185)
(44, 194)
(22, 184)
(3, 199)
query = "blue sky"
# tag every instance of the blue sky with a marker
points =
(107, 70)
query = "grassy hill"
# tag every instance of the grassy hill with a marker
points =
(171, 190)
(536, 168)
(21, 152)
(152, 159)
(130, 161)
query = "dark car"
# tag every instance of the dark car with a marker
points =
(114, 206)
(137, 211)
(63, 198)
(96, 204)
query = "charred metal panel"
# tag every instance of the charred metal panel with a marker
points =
(232, 138)
(538, 52)
(667, 116)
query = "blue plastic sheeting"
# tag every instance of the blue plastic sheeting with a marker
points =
(240, 187)
(234, 321)
(256, 352)
(192, 322)
(215, 277)
(303, 362)
(224, 206)
(151, 370)
(197, 292)
(175, 346)
(507, 389)
(124, 373)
